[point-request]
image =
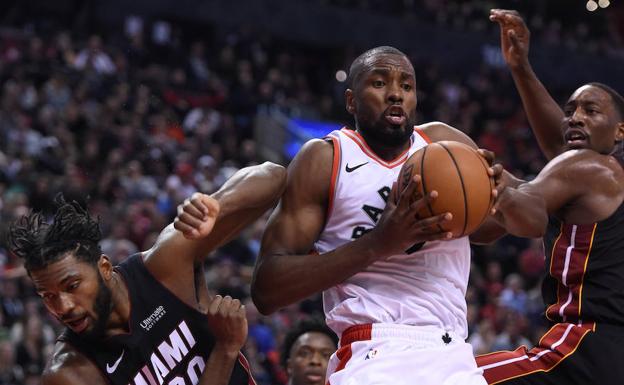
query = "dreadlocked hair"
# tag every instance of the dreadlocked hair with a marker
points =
(39, 243)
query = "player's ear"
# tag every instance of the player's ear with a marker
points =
(289, 368)
(105, 267)
(619, 133)
(350, 101)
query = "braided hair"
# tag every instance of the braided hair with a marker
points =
(40, 243)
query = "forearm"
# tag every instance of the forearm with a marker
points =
(522, 213)
(256, 187)
(280, 280)
(488, 232)
(543, 112)
(243, 199)
(219, 366)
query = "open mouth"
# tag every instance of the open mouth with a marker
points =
(395, 116)
(78, 325)
(575, 138)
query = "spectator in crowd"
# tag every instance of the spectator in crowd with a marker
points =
(306, 351)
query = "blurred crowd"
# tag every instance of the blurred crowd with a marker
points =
(133, 123)
(553, 23)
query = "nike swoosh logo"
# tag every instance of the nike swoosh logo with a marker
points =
(111, 369)
(351, 169)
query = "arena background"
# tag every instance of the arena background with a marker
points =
(138, 104)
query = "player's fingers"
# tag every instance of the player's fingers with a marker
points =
(211, 204)
(224, 307)
(180, 208)
(422, 202)
(437, 236)
(190, 220)
(496, 170)
(234, 307)
(185, 229)
(394, 194)
(195, 208)
(213, 308)
(427, 223)
(487, 155)
(513, 37)
(411, 192)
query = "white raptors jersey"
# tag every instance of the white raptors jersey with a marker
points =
(424, 288)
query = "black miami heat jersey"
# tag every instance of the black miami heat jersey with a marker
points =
(585, 280)
(168, 344)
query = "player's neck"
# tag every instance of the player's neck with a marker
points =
(385, 151)
(120, 314)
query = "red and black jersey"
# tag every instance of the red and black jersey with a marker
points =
(168, 344)
(585, 277)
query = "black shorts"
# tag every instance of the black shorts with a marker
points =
(568, 354)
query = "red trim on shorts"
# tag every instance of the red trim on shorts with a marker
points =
(349, 336)
(359, 140)
(422, 134)
(334, 175)
(356, 333)
(558, 343)
(568, 265)
(344, 355)
(243, 361)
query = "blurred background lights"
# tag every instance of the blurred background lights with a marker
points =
(591, 5)
(341, 76)
(603, 3)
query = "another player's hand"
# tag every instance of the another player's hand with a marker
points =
(400, 227)
(495, 171)
(515, 37)
(228, 322)
(196, 216)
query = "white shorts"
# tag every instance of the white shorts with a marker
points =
(400, 355)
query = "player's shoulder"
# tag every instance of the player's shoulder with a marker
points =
(587, 165)
(315, 150)
(68, 366)
(439, 131)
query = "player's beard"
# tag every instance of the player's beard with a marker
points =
(103, 308)
(379, 131)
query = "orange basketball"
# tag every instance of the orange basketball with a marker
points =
(459, 175)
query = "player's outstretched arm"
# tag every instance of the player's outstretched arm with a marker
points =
(543, 112)
(206, 222)
(578, 186)
(228, 322)
(288, 270)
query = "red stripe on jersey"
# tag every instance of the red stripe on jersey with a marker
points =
(243, 361)
(558, 343)
(422, 134)
(334, 176)
(568, 265)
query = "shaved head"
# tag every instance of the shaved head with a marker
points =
(359, 65)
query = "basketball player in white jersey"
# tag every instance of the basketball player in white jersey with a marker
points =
(393, 285)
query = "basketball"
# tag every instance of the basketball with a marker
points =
(459, 175)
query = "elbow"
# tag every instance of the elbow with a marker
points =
(261, 301)
(261, 295)
(535, 233)
(539, 230)
(534, 229)
(276, 175)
